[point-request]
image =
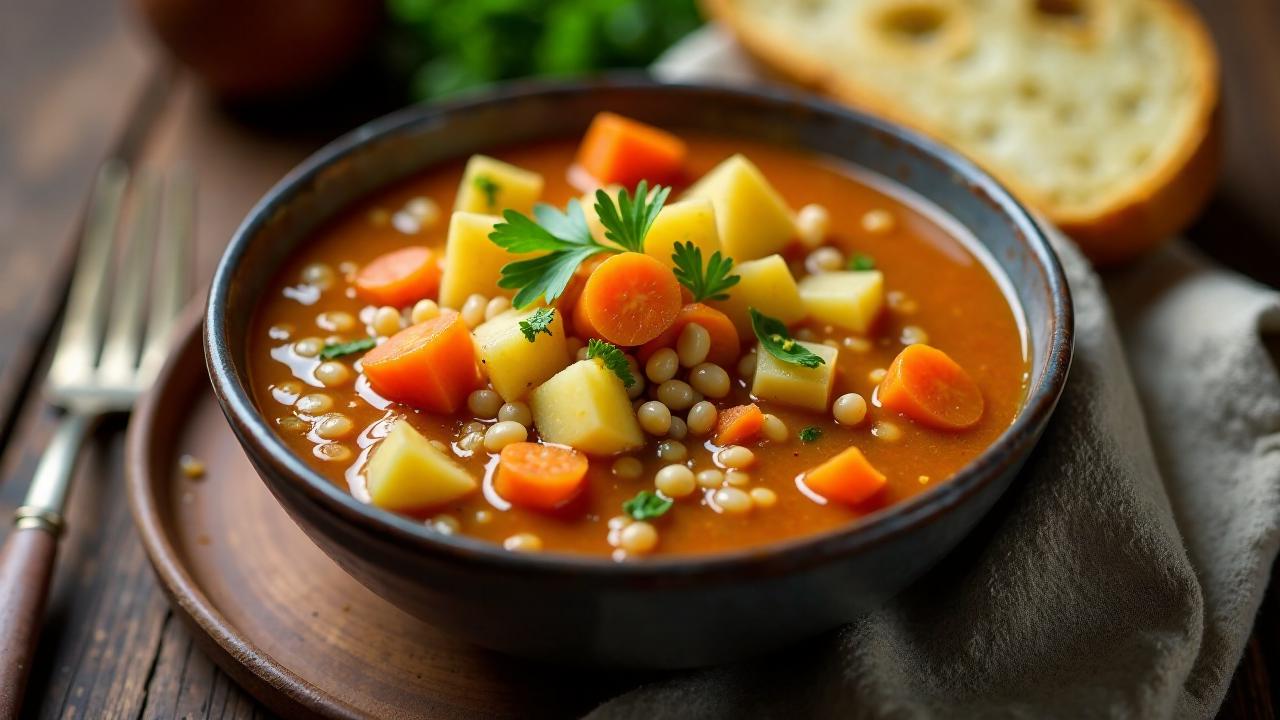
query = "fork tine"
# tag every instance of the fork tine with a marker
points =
(77, 347)
(120, 349)
(170, 279)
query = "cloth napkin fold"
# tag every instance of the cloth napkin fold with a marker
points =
(1119, 577)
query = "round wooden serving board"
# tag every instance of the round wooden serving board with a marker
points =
(277, 614)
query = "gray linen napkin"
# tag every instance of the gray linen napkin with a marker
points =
(1120, 575)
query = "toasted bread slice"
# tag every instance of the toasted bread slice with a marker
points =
(1101, 114)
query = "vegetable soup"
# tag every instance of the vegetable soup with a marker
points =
(636, 344)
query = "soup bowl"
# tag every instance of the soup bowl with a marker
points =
(662, 612)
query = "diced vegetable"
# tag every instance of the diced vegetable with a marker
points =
(619, 150)
(430, 366)
(725, 344)
(926, 385)
(473, 264)
(847, 478)
(585, 406)
(400, 277)
(540, 477)
(406, 472)
(514, 365)
(630, 299)
(582, 326)
(738, 424)
(850, 300)
(796, 385)
(752, 218)
(692, 221)
(766, 284)
(491, 186)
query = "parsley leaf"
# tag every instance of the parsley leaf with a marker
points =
(646, 505)
(565, 237)
(774, 339)
(627, 222)
(539, 321)
(613, 359)
(710, 284)
(337, 350)
(862, 261)
(486, 185)
(810, 434)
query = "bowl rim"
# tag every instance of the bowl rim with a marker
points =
(779, 557)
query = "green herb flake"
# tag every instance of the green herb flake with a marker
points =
(810, 434)
(862, 261)
(711, 283)
(775, 340)
(486, 185)
(613, 359)
(646, 506)
(627, 221)
(337, 350)
(539, 322)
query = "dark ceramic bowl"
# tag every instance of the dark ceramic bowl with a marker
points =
(663, 612)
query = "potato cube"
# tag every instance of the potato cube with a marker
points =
(682, 222)
(491, 186)
(766, 285)
(515, 366)
(850, 300)
(796, 385)
(472, 263)
(406, 472)
(585, 406)
(753, 219)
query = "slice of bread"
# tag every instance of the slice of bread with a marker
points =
(1101, 114)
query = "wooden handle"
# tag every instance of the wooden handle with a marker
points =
(26, 564)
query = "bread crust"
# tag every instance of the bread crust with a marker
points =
(1141, 215)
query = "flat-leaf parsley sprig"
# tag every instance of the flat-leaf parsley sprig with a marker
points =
(539, 322)
(711, 283)
(775, 339)
(628, 221)
(613, 359)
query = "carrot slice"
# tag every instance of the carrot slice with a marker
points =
(541, 477)
(738, 424)
(623, 151)
(926, 385)
(400, 277)
(431, 365)
(725, 345)
(846, 478)
(630, 299)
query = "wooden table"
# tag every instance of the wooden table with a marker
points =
(79, 81)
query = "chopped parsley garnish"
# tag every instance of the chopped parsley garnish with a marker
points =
(539, 322)
(775, 340)
(711, 283)
(646, 505)
(810, 433)
(337, 350)
(486, 185)
(567, 241)
(862, 261)
(613, 359)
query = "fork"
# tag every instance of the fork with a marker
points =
(113, 340)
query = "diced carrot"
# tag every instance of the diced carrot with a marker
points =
(725, 345)
(431, 365)
(621, 150)
(739, 424)
(582, 326)
(926, 385)
(400, 277)
(631, 298)
(846, 478)
(540, 477)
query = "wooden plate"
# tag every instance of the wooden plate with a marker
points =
(277, 614)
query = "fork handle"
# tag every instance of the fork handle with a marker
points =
(26, 560)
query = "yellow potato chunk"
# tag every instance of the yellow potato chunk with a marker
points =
(472, 263)
(406, 472)
(491, 186)
(796, 385)
(766, 285)
(683, 222)
(850, 300)
(585, 406)
(753, 219)
(515, 366)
